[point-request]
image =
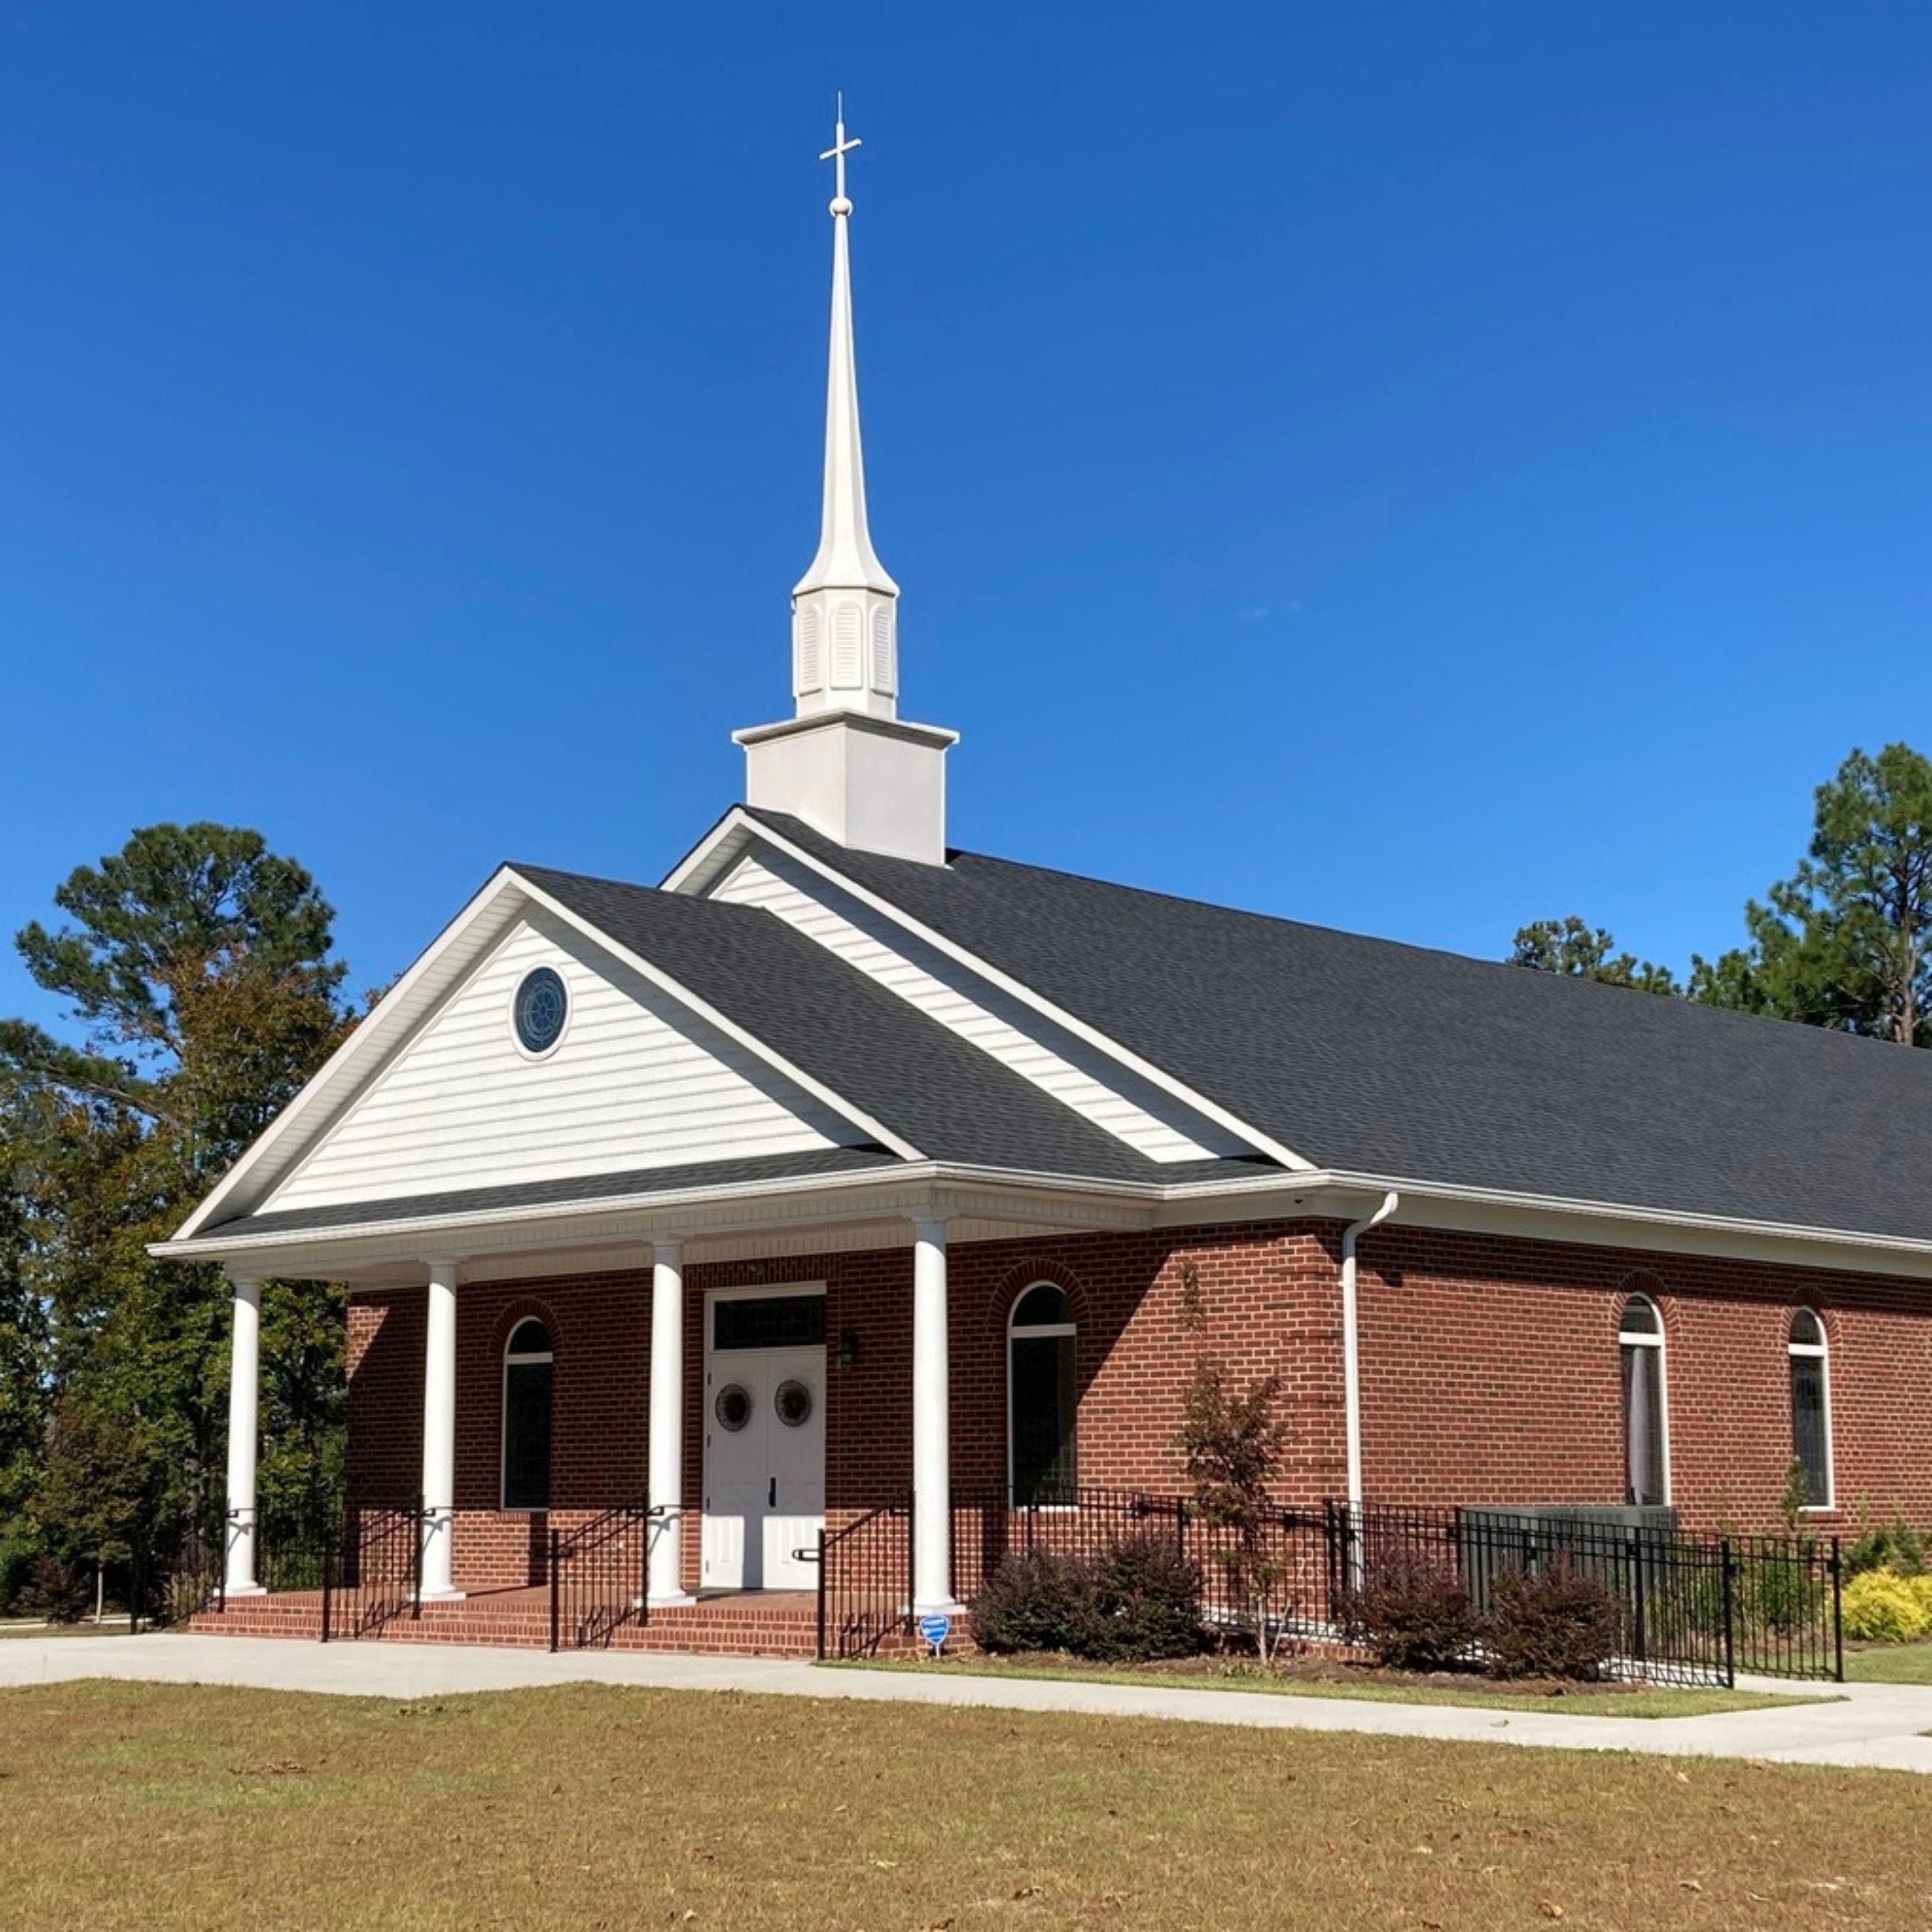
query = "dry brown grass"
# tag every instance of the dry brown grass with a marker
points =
(160, 1807)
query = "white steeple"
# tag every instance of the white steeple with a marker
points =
(844, 614)
(845, 762)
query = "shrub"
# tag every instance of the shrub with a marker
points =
(1036, 1601)
(1146, 1602)
(1410, 1615)
(1894, 1545)
(1558, 1622)
(1882, 1607)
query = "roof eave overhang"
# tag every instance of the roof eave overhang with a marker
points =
(1031, 1200)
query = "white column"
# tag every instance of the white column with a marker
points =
(664, 1583)
(932, 1468)
(438, 1463)
(244, 1375)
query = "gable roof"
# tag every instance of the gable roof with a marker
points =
(1373, 1057)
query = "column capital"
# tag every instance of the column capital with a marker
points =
(243, 1280)
(930, 1227)
(667, 1250)
(448, 1268)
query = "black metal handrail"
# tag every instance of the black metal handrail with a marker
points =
(865, 1580)
(597, 1576)
(372, 1572)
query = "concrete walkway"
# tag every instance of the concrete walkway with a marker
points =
(1871, 1724)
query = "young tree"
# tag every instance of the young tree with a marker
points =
(1846, 941)
(1231, 1443)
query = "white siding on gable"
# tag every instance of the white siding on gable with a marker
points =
(1112, 1097)
(636, 1082)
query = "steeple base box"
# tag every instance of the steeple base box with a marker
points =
(875, 784)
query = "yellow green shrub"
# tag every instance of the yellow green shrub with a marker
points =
(1883, 1607)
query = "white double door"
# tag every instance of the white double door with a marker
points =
(764, 1467)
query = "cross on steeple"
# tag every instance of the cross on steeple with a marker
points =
(835, 154)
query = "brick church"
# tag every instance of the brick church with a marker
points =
(845, 1163)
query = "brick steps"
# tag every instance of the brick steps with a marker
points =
(738, 1628)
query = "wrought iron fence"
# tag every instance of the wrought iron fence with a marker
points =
(372, 1573)
(1694, 1609)
(864, 1580)
(597, 1576)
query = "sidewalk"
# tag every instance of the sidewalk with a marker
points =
(1879, 1725)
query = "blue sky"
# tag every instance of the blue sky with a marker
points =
(1407, 467)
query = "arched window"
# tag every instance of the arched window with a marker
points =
(1646, 1439)
(526, 1371)
(1811, 1406)
(1041, 1398)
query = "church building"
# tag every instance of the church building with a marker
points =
(845, 1165)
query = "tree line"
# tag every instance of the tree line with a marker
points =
(198, 968)
(1845, 942)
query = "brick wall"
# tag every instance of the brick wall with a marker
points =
(1490, 1373)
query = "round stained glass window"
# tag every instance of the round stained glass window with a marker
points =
(793, 1402)
(541, 1007)
(732, 1407)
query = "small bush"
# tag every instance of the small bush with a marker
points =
(1410, 1615)
(1558, 1622)
(1146, 1602)
(1894, 1545)
(1782, 1593)
(1036, 1601)
(1882, 1607)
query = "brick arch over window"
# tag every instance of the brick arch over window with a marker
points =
(1010, 1286)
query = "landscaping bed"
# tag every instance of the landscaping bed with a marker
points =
(1315, 1675)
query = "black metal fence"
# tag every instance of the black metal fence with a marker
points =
(1694, 1609)
(372, 1572)
(598, 1574)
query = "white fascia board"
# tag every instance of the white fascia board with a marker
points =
(875, 1130)
(1337, 1194)
(724, 845)
(997, 1193)
(384, 1029)
(919, 1190)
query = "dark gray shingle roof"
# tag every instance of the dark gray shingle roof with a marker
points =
(1368, 1055)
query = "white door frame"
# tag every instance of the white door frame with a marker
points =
(764, 1292)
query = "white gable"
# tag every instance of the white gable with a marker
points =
(637, 1081)
(1101, 1090)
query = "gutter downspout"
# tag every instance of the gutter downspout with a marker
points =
(1351, 1348)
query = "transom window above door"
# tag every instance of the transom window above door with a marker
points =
(768, 1321)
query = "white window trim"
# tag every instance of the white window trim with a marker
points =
(1632, 1338)
(505, 1507)
(556, 966)
(1819, 1352)
(1041, 1331)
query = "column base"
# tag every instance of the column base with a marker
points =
(678, 1600)
(451, 1596)
(947, 1609)
(229, 1590)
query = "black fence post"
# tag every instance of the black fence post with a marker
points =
(420, 1525)
(821, 1596)
(328, 1558)
(1730, 1607)
(556, 1551)
(1837, 1614)
(1639, 1634)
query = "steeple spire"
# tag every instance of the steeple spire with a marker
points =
(846, 762)
(844, 619)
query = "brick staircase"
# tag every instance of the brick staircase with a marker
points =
(753, 1624)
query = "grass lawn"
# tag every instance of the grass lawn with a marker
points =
(1888, 1664)
(164, 1807)
(1581, 1700)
